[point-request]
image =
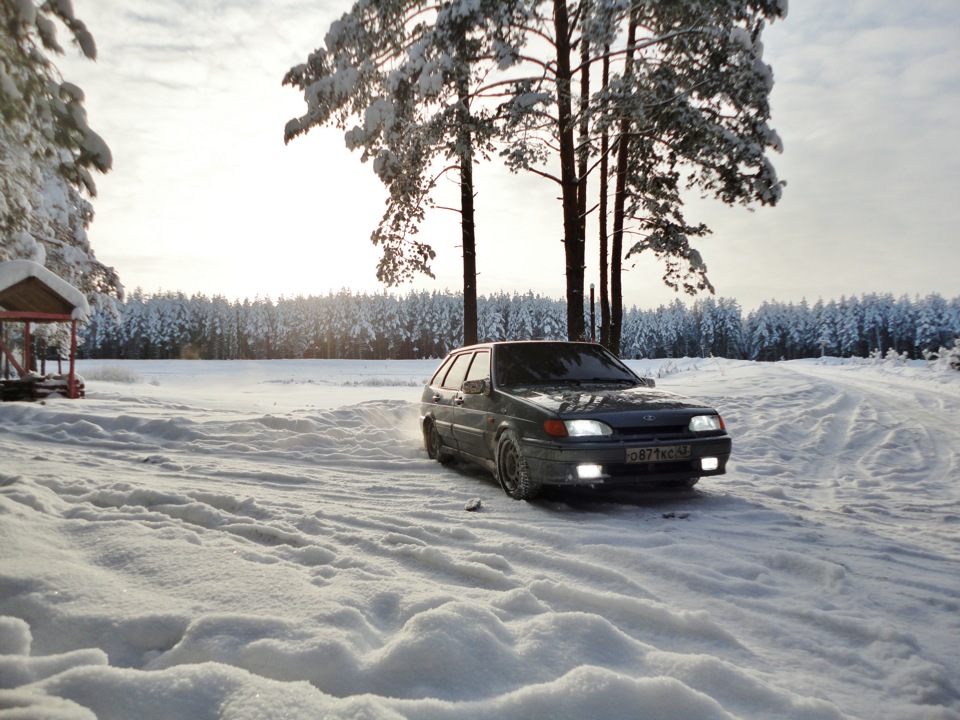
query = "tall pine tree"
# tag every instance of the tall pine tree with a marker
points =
(49, 151)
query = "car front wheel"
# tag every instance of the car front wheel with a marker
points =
(435, 449)
(512, 470)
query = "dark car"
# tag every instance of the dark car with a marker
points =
(566, 413)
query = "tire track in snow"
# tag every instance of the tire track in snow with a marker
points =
(901, 453)
(365, 575)
(853, 446)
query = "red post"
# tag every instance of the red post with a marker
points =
(72, 390)
(26, 345)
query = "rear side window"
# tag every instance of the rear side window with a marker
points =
(441, 371)
(457, 372)
(480, 367)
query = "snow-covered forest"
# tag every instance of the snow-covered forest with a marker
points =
(347, 325)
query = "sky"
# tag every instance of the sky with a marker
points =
(205, 197)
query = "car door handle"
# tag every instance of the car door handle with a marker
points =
(436, 397)
(458, 400)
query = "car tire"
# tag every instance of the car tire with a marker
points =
(434, 443)
(688, 483)
(512, 471)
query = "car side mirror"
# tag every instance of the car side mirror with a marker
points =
(475, 387)
(648, 381)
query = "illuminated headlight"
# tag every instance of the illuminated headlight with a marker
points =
(709, 463)
(589, 472)
(705, 423)
(587, 428)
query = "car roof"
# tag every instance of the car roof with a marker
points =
(501, 343)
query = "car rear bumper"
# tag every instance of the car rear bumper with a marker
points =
(603, 464)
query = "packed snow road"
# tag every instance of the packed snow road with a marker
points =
(269, 540)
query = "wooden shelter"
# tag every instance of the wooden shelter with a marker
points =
(31, 294)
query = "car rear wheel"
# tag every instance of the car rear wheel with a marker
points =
(512, 470)
(435, 449)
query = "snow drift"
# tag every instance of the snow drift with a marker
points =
(269, 539)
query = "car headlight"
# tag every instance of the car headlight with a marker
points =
(705, 423)
(587, 428)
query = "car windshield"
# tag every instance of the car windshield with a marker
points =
(540, 363)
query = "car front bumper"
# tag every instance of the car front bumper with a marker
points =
(553, 463)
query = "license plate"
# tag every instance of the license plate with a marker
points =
(658, 454)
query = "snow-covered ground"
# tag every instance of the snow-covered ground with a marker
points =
(269, 540)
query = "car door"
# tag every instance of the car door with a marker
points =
(445, 396)
(472, 409)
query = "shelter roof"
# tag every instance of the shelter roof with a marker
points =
(26, 286)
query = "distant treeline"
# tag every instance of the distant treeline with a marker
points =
(429, 324)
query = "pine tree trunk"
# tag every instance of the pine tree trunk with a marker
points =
(616, 254)
(583, 156)
(604, 240)
(465, 145)
(573, 242)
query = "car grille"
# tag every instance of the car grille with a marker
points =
(646, 432)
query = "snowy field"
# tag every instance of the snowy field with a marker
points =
(200, 540)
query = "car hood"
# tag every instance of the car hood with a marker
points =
(602, 399)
